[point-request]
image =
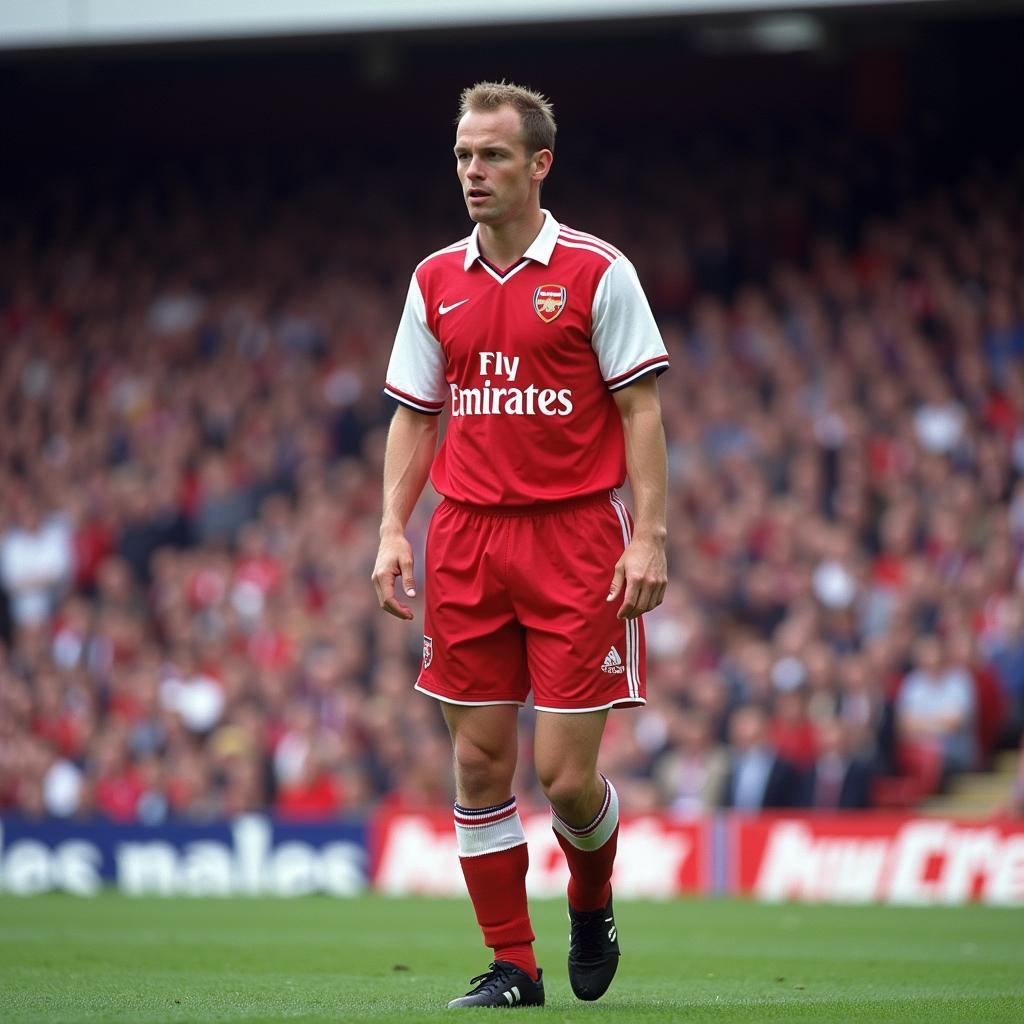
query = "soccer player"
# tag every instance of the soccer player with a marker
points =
(541, 338)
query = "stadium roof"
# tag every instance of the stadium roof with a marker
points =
(26, 24)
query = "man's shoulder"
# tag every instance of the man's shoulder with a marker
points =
(586, 247)
(451, 254)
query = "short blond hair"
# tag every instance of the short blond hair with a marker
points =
(536, 114)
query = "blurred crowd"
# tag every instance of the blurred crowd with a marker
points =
(191, 436)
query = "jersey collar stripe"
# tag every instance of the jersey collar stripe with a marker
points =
(508, 271)
(632, 632)
(419, 404)
(454, 247)
(658, 364)
(589, 248)
(509, 274)
(582, 236)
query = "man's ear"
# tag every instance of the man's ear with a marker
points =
(541, 161)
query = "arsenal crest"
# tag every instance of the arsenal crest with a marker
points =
(428, 651)
(549, 301)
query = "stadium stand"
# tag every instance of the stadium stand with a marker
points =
(191, 434)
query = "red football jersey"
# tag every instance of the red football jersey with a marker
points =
(528, 357)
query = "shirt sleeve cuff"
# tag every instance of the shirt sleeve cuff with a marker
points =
(413, 402)
(659, 364)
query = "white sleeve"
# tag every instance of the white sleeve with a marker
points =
(416, 372)
(625, 337)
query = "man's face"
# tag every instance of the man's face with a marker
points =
(928, 655)
(495, 170)
(746, 729)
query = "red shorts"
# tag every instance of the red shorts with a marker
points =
(516, 600)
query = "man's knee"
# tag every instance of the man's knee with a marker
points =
(565, 785)
(565, 757)
(482, 765)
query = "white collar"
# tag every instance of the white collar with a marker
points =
(540, 248)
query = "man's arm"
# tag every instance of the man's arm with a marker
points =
(641, 574)
(412, 440)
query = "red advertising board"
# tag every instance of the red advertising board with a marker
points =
(877, 859)
(849, 858)
(415, 852)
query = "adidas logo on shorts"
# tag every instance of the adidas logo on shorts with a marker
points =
(613, 663)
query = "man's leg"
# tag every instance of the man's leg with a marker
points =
(585, 817)
(492, 844)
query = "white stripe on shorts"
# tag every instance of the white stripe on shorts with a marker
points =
(632, 658)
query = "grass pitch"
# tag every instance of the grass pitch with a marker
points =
(116, 958)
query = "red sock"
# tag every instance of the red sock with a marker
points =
(494, 859)
(590, 852)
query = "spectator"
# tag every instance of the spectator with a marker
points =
(757, 779)
(790, 731)
(1006, 652)
(1015, 807)
(118, 786)
(691, 772)
(838, 779)
(990, 703)
(935, 706)
(35, 563)
(311, 794)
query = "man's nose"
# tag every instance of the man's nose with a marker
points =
(475, 169)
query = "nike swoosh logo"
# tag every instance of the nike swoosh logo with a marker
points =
(442, 309)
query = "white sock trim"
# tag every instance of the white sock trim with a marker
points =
(599, 831)
(488, 829)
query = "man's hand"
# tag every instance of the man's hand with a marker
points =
(643, 570)
(394, 559)
(412, 438)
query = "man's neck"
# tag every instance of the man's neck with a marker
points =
(504, 244)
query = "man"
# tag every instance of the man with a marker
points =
(758, 779)
(838, 780)
(535, 576)
(935, 707)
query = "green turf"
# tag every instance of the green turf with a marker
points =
(116, 958)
